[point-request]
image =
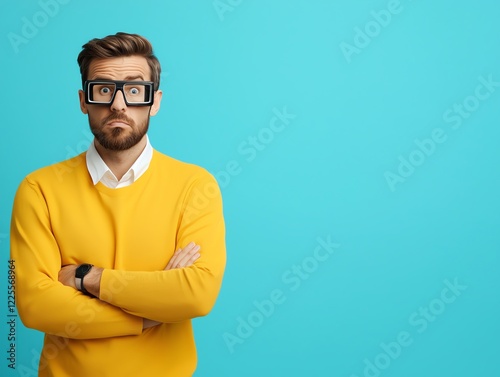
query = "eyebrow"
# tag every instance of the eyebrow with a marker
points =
(128, 78)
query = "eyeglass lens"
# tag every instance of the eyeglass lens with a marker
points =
(133, 92)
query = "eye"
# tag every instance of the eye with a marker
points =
(134, 91)
(105, 90)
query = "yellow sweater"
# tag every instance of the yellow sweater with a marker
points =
(61, 218)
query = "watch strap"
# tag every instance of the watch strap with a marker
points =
(80, 273)
(82, 286)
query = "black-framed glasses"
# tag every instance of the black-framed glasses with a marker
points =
(103, 92)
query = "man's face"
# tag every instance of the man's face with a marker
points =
(117, 126)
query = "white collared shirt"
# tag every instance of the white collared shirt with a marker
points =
(100, 172)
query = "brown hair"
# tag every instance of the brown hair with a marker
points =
(120, 44)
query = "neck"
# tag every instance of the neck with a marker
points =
(119, 162)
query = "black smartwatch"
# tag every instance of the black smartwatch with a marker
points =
(80, 273)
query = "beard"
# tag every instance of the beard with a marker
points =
(118, 139)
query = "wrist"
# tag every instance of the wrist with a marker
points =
(81, 272)
(88, 279)
(93, 281)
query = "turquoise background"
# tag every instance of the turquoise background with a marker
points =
(324, 175)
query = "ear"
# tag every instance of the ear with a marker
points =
(155, 107)
(83, 105)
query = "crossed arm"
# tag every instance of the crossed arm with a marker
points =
(184, 257)
(128, 301)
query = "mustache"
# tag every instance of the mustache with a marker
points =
(118, 117)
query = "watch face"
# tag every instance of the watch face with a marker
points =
(82, 270)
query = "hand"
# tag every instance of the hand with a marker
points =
(184, 257)
(67, 275)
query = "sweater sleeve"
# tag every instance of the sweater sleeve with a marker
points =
(185, 293)
(43, 302)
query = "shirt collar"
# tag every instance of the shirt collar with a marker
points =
(98, 169)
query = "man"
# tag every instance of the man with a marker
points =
(117, 249)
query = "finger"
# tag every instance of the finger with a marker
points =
(170, 262)
(186, 259)
(194, 258)
(185, 256)
(189, 261)
(179, 254)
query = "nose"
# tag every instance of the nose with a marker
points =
(118, 103)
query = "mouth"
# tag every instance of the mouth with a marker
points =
(117, 123)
